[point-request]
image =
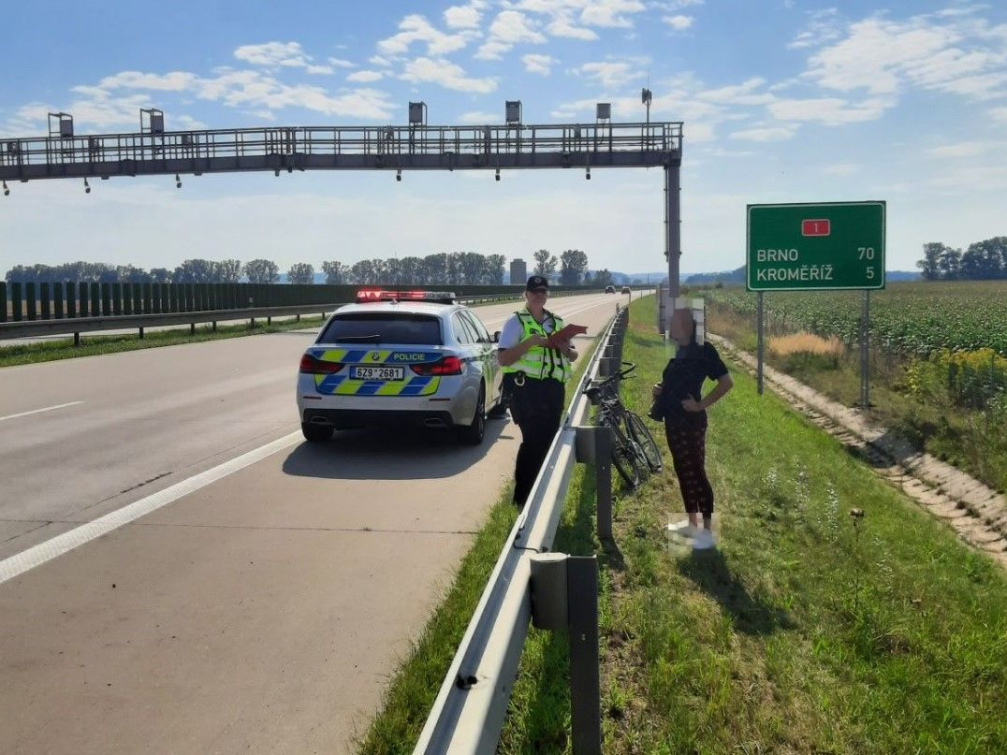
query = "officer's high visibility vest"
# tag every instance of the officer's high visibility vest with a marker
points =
(539, 362)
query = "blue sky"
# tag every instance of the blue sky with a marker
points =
(782, 101)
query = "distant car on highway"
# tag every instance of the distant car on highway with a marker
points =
(627, 290)
(609, 289)
(399, 358)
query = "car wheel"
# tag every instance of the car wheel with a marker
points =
(499, 411)
(472, 435)
(316, 433)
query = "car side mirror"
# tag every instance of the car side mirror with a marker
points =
(496, 336)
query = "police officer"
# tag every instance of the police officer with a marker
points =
(534, 376)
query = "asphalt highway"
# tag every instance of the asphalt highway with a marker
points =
(181, 573)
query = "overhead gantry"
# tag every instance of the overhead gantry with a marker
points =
(512, 145)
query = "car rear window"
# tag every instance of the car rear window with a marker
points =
(383, 327)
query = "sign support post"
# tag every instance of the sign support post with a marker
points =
(759, 347)
(865, 351)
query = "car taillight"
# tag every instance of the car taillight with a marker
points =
(443, 366)
(312, 366)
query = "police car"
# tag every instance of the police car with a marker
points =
(400, 358)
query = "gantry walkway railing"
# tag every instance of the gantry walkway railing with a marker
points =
(595, 145)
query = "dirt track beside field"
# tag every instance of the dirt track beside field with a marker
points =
(977, 513)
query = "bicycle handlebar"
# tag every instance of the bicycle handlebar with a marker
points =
(593, 392)
(613, 378)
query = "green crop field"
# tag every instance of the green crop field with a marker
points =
(911, 318)
(938, 359)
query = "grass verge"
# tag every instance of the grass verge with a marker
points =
(94, 345)
(806, 631)
(414, 688)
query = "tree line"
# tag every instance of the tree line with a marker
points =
(572, 271)
(983, 260)
(460, 268)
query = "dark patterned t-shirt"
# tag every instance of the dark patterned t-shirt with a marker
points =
(684, 377)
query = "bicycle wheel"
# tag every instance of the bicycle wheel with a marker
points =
(633, 448)
(624, 462)
(638, 431)
(625, 459)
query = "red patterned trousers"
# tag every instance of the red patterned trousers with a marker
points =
(688, 452)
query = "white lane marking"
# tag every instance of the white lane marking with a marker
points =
(39, 554)
(39, 411)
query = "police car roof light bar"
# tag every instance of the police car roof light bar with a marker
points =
(373, 295)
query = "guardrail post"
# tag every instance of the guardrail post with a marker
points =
(585, 672)
(593, 445)
(564, 595)
(548, 591)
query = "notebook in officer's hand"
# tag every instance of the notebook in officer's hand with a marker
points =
(565, 334)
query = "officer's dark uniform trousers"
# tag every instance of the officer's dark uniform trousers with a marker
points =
(537, 408)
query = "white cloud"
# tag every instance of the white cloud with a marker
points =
(610, 75)
(377, 60)
(185, 123)
(446, 74)
(563, 25)
(464, 16)
(610, 13)
(967, 178)
(824, 27)
(176, 81)
(277, 54)
(700, 117)
(678, 23)
(492, 50)
(416, 28)
(773, 134)
(841, 169)
(962, 149)
(953, 55)
(508, 29)
(570, 18)
(740, 94)
(255, 90)
(480, 117)
(999, 114)
(540, 64)
(831, 111)
(100, 112)
(339, 63)
(365, 77)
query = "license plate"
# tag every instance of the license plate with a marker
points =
(378, 373)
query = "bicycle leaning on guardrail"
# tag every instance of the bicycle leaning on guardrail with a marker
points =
(635, 455)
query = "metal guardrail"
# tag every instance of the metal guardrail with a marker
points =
(468, 714)
(77, 325)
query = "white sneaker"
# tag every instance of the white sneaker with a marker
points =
(702, 540)
(683, 529)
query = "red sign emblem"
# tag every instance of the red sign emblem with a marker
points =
(821, 227)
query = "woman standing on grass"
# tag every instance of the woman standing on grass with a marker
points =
(685, 420)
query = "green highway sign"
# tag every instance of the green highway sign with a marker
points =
(818, 247)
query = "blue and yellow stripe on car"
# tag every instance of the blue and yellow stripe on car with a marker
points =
(338, 385)
(344, 385)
